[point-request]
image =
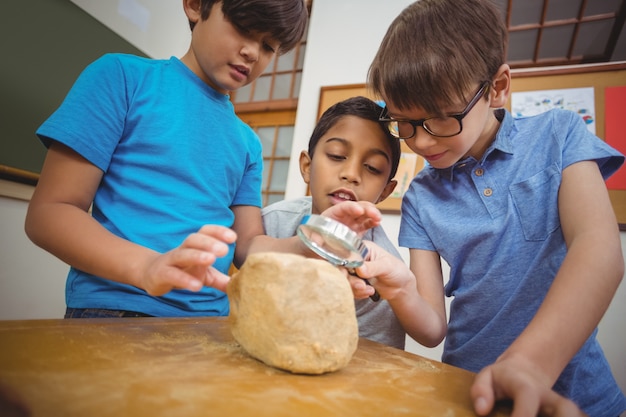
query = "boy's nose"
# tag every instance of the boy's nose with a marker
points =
(421, 139)
(250, 51)
(350, 173)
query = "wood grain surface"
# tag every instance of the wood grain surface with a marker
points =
(193, 367)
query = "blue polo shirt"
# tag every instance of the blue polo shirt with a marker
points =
(495, 221)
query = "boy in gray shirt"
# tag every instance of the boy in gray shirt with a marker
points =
(355, 159)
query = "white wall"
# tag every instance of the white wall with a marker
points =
(343, 38)
(32, 282)
(340, 48)
(157, 27)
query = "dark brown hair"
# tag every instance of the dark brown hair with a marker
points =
(284, 20)
(436, 52)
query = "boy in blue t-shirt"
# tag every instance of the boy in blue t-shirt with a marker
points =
(171, 175)
(517, 208)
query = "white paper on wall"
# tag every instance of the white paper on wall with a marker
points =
(578, 100)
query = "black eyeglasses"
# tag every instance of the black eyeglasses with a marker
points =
(443, 127)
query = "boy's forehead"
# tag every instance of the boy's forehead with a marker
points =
(416, 111)
(438, 97)
(402, 113)
(357, 132)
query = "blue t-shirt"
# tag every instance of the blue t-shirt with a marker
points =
(495, 221)
(174, 156)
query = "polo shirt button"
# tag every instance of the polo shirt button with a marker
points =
(487, 192)
(479, 172)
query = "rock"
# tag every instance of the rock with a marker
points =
(293, 313)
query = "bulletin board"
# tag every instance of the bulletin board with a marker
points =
(607, 80)
(609, 85)
(410, 163)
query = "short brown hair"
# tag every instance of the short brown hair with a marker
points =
(436, 51)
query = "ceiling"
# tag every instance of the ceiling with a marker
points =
(542, 32)
(564, 32)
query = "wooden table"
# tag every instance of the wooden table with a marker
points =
(193, 367)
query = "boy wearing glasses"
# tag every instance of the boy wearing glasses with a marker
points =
(517, 208)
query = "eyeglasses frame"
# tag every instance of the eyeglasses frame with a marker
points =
(417, 123)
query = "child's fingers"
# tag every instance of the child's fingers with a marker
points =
(371, 211)
(216, 279)
(164, 278)
(206, 242)
(187, 269)
(360, 289)
(482, 392)
(184, 267)
(221, 233)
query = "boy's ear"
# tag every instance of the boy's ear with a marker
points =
(192, 9)
(305, 166)
(501, 87)
(391, 185)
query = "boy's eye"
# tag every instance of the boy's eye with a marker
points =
(252, 34)
(268, 47)
(369, 167)
(373, 169)
(335, 157)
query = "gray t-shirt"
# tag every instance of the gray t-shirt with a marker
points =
(377, 320)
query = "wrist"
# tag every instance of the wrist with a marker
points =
(522, 361)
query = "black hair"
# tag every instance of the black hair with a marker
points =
(363, 108)
(284, 20)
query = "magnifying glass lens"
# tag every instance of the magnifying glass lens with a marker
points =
(335, 242)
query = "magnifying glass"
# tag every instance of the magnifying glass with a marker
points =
(335, 242)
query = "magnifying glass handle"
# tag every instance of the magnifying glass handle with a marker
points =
(374, 297)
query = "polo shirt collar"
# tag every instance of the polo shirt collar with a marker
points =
(501, 143)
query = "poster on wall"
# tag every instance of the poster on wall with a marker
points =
(578, 100)
(406, 172)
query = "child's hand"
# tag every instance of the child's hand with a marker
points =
(359, 216)
(359, 288)
(387, 273)
(525, 384)
(189, 265)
